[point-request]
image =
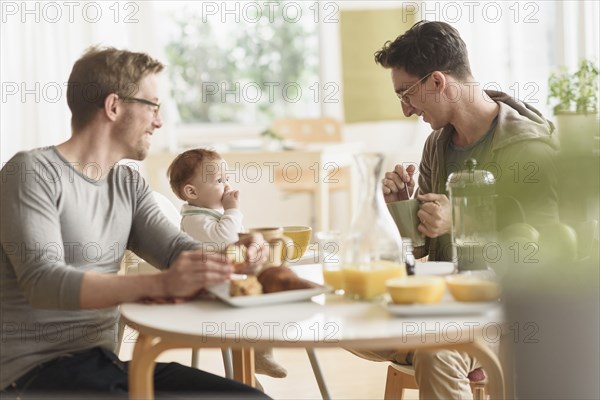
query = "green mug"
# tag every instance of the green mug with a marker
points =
(404, 213)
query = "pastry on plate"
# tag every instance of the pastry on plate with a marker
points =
(245, 287)
(279, 279)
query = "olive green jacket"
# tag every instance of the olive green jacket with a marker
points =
(524, 147)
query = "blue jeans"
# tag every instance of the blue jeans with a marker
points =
(98, 374)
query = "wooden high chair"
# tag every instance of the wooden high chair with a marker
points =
(143, 267)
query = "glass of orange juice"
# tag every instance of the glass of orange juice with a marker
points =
(367, 282)
(334, 278)
(329, 257)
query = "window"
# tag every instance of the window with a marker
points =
(241, 62)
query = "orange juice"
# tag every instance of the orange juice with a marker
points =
(334, 278)
(367, 284)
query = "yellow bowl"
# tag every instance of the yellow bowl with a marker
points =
(416, 289)
(301, 236)
(472, 288)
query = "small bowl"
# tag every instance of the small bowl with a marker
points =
(472, 288)
(416, 289)
(301, 236)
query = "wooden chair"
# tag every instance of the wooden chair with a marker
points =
(305, 131)
(400, 377)
(309, 130)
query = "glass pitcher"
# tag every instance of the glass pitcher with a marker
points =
(473, 199)
(371, 250)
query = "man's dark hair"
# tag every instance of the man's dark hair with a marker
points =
(426, 47)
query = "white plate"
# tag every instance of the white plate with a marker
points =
(288, 296)
(443, 309)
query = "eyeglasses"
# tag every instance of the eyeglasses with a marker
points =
(403, 95)
(146, 102)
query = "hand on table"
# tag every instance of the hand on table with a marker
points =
(192, 271)
(396, 182)
(256, 252)
(435, 215)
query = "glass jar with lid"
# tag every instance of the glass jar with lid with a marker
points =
(473, 199)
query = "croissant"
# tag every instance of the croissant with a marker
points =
(279, 279)
(245, 287)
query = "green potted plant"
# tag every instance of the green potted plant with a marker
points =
(271, 139)
(576, 106)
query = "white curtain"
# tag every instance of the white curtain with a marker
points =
(578, 31)
(40, 43)
(514, 46)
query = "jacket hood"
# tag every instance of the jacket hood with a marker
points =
(519, 121)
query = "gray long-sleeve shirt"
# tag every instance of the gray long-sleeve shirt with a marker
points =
(56, 224)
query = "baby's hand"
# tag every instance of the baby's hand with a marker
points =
(231, 199)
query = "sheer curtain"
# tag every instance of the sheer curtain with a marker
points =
(578, 31)
(513, 46)
(510, 48)
(514, 53)
(39, 46)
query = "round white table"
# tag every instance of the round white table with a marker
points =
(325, 321)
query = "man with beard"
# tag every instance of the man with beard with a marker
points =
(69, 212)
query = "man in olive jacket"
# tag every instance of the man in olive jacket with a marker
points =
(432, 78)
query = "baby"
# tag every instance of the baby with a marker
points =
(212, 215)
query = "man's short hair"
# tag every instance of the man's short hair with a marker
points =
(426, 47)
(185, 166)
(101, 72)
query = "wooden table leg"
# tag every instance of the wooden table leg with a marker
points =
(141, 379)
(148, 348)
(141, 368)
(490, 364)
(243, 365)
